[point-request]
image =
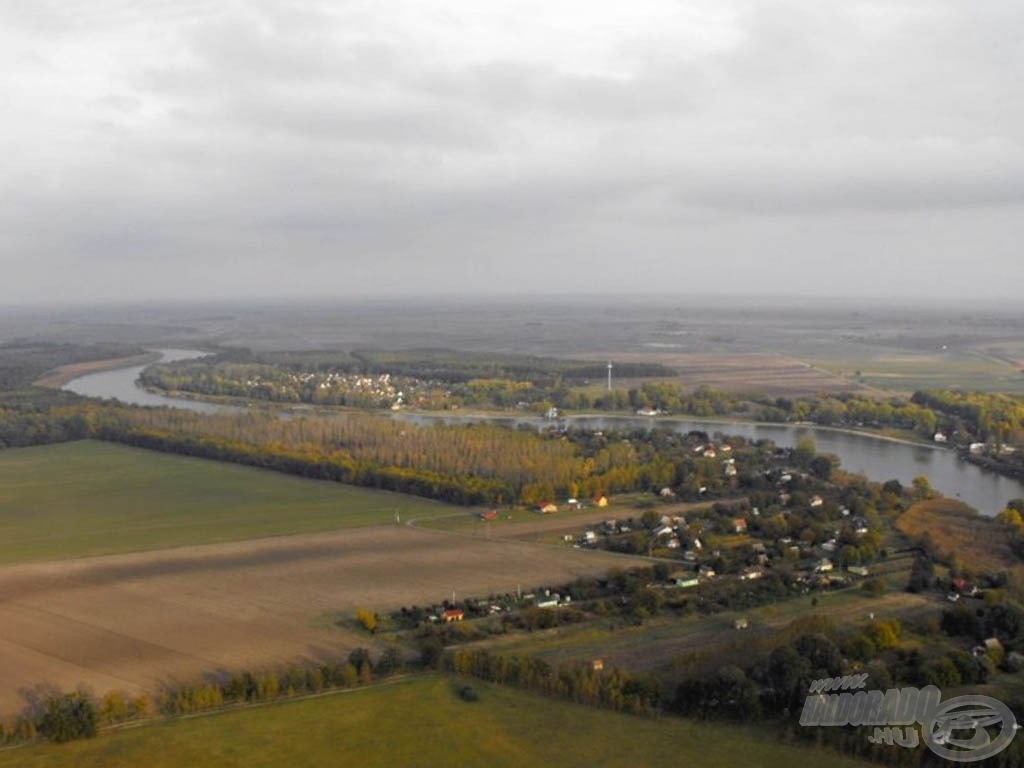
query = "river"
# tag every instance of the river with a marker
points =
(123, 384)
(875, 457)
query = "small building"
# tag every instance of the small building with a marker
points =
(857, 570)
(816, 501)
(687, 581)
(940, 438)
(739, 525)
(667, 493)
(490, 514)
(453, 614)
(601, 501)
(823, 566)
(751, 572)
(741, 623)
(547, 507)
(597, 665)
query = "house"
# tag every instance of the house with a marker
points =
(816, 501)
(549, 600)
(739, 525)
(453, 614)
(589, 537)
(964, 587)
(730, 470)
(706, 572)
(601, 501)
(823, 566)
(751, 572)
(547, 507)
(490, 514)
(597, 665)
(663, 530)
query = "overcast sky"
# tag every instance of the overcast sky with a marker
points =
(196, 149)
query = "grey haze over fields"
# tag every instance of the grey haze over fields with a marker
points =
(177, 149)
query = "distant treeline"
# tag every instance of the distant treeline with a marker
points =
(22, 362)
(429, 379)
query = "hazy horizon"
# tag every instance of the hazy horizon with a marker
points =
(193, 151)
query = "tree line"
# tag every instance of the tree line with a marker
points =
(56, 716)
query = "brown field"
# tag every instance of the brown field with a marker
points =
(767, 374)
(131, 621)
(980, 543)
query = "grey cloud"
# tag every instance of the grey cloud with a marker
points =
(290, 146)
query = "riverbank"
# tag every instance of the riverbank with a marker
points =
(58, 377)
(670, 420)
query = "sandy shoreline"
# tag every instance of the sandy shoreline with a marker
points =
(58, 377)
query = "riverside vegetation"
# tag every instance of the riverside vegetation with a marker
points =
(473, 464)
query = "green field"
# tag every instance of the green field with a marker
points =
(91, 498)
(422, 722)
(967, 369)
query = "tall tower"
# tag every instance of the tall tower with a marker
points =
(609, 377)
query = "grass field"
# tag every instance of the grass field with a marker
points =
(661, 641)
(92, 498)
(196, 566)
(967, 369)
(422, 722)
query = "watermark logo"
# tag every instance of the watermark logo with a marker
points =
(963, 729)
